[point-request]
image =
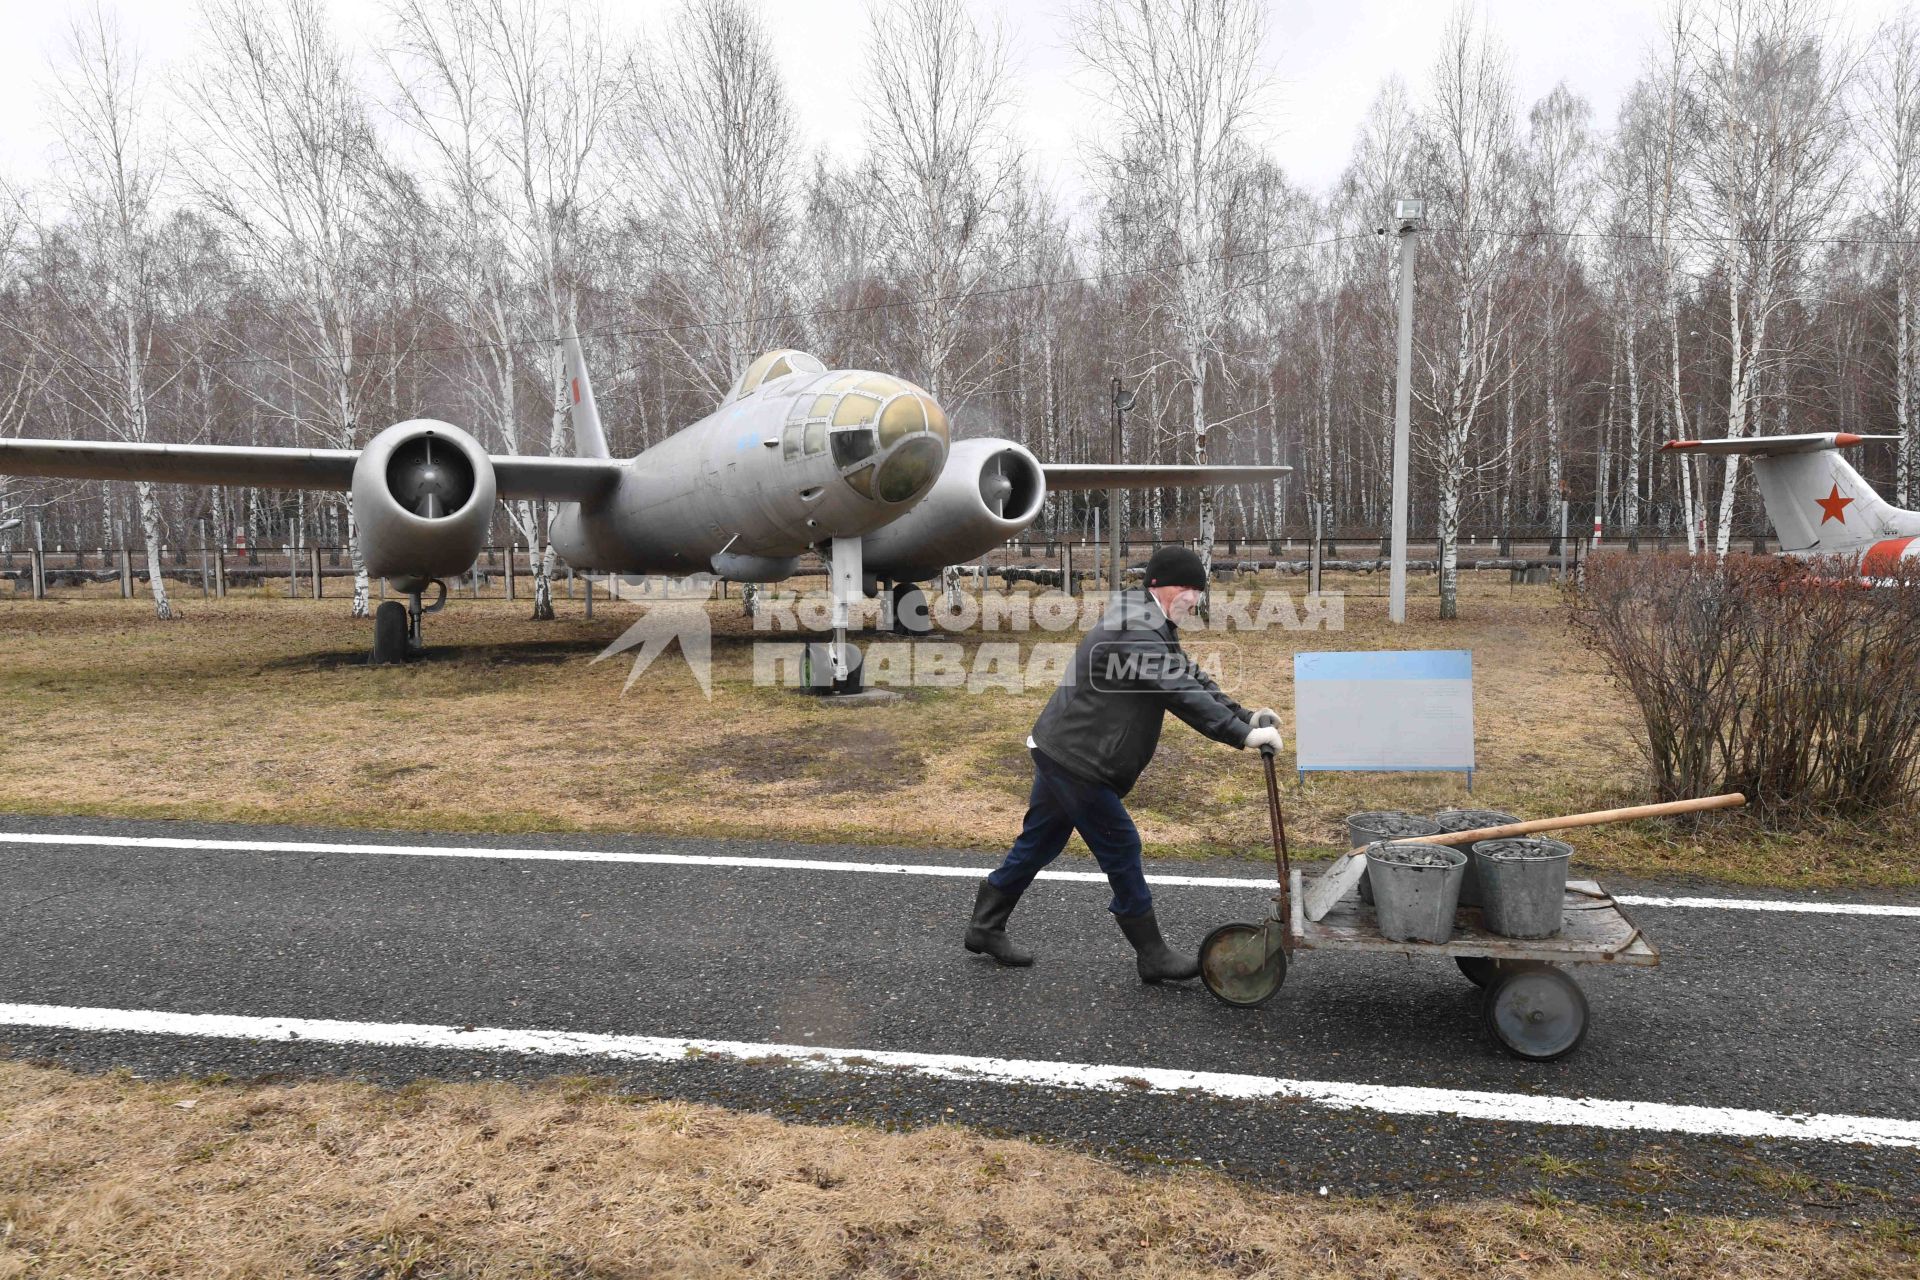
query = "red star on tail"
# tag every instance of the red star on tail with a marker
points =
(1834, 506)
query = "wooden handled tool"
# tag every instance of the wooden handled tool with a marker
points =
(1335, 881)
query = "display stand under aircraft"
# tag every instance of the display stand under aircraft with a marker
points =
(858, 465)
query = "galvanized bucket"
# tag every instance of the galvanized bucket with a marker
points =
(1416, 889)
(1523, 881)
(1384, 824)
(1450, 820)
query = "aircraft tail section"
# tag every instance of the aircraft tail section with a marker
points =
(589, 440)
(1817, 502)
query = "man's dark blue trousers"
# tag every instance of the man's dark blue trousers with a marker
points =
(1060, 805)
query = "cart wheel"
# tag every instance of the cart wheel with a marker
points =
(1484, 971)
(1538, 1014)
(1480, 970)
(1237, 967)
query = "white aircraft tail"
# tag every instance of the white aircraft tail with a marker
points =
(1818, 503)
(589, 440)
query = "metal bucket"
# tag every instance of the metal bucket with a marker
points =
(1384, 824)
(1523, 881)
(1416, 889)
(1450, 820)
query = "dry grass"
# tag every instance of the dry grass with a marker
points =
(251, 709)
(112, 1177)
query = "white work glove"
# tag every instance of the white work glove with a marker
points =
(1263, 737)
(1265, 718)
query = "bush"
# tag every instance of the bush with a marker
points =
(1790, 681)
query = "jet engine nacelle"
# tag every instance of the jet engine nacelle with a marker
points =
(423, 500)
(989, 491)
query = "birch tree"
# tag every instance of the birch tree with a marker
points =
(1769, 106)
(555, 87)
(710, 155)
(947, 170)
(100, 269)
(1468, 159)
(1558, 169)
(453, 63)
(283, 159)
(1890, 135)
(1182, 79)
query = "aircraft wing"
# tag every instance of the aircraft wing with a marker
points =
(1094, 475)
(517, 476)
(179, 463)
(1773, 446)
(559, 479)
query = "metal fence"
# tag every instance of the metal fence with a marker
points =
(505, 573)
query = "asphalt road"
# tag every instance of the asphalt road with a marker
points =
(1777, 1011)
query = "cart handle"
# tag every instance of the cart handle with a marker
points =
(1666, 809)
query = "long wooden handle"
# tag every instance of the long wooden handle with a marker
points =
(1668, 809)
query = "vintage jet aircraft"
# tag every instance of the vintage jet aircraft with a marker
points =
(855, 464)
(1819, 505)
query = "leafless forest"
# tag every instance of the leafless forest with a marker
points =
(287, 239)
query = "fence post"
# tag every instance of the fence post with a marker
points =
(37, 566)
(511, 552)
(314, 551)
(126, 574)
(220, 573)
(589, 597)
(1066, 567)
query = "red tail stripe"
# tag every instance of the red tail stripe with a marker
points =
(1883, 558)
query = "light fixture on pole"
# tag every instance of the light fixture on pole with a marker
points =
(1409, 217)
(1122, 401)
(8, 526)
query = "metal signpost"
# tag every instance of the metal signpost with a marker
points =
(1411, 216)
(1122, 401)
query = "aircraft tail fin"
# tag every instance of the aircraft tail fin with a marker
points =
(1815, 499)
(589, 439)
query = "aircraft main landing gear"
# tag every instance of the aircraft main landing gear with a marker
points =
(396, 628)
(391, 628)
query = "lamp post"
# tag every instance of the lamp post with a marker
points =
(1122, 401)
(1410, 216)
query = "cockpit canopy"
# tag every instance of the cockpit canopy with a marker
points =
(772, 365)
(888, 438)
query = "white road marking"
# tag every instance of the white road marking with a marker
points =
(1600, 1113)
(817, 864)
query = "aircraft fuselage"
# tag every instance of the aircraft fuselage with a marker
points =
(792, 463)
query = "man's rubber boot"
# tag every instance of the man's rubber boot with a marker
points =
(987, 931)
(1157, 962)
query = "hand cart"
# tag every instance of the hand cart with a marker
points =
(1531, 1007)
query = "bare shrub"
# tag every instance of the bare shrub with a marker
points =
(1793, 682)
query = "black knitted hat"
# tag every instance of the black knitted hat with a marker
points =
(1176, 567)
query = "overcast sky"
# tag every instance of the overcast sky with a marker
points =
(1327, 57)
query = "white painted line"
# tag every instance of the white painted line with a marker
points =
(581, 855)
(1600, 1113)
(817, 864)
(1764, 904)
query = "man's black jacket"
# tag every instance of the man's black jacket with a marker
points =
(1103, 722)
